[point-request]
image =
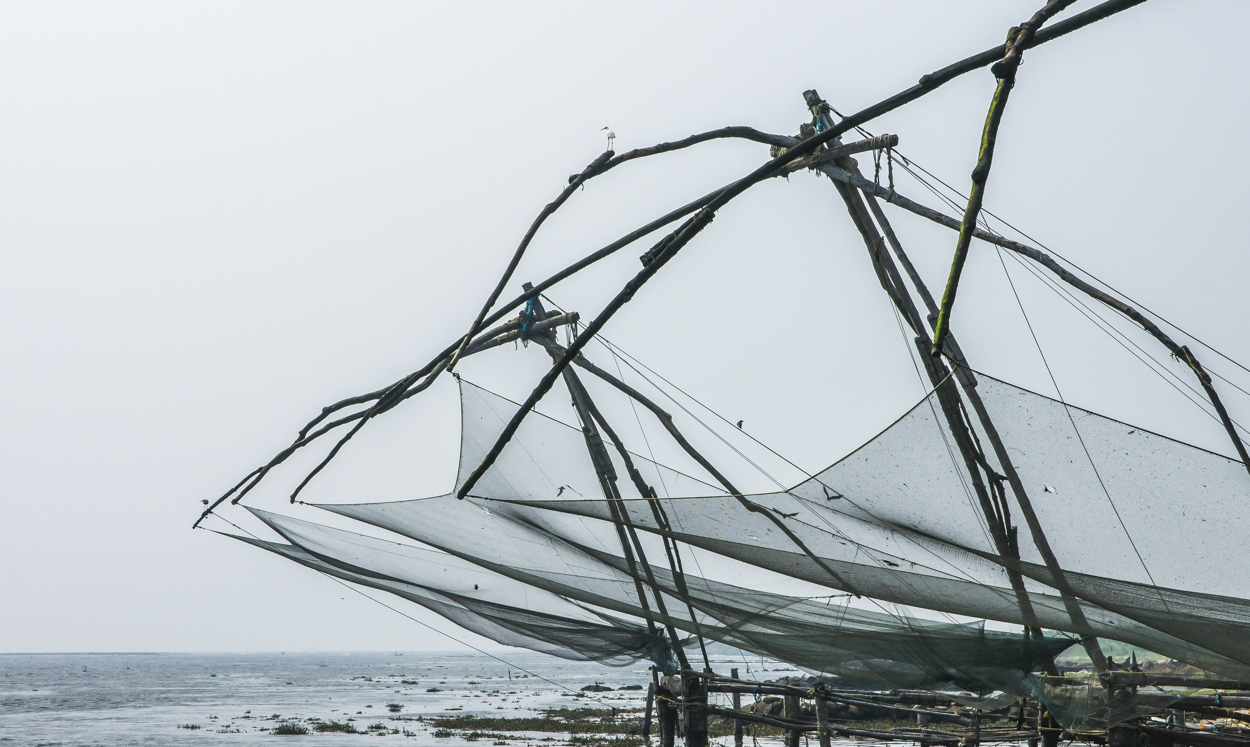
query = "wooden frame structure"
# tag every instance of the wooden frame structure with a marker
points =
(682, 696)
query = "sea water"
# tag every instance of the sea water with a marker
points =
(85, 700)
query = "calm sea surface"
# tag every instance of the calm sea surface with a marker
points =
(148, 699)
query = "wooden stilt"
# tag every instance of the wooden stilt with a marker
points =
(695, 706)
(646, 717)
(823, 732)
(666, 712)
(737, 700)
(1049, 729)
(792, 713)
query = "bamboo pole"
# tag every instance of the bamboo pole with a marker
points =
(645, 490)
(737, 701)
(646, 717)
(892, 283)
(587, 413)
(695, 705)
(967, 382)
(755, 718)
(399, 391)
(792, 712)
(1005, 71)
(823, 732)
(666, 712)
(1065, 275)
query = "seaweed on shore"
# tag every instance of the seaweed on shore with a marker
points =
(577, 721)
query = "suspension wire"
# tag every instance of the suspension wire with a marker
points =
(714, 432)
(659, 473)
(869, 552)
(629, 358)
(1072, 300)
(1058, 288)
(1072, 420)
(1088, 456)
(619, 354)
(906, 162)
(1171, 378)
(832, 530)
(466, 644)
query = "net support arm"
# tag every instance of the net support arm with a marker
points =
(1005, 71)
(596, 166)
(939, 377)
(928, 83)
(859, 208)
(666, 420)
(589, 414)
(968, 384)
(1049, 262)
(425, 376)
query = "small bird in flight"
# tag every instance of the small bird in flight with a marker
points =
(611, 136)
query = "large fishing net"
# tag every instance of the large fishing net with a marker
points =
(896, 521)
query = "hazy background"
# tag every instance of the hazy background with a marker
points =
(218, 217)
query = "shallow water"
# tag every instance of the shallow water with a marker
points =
(145, 699)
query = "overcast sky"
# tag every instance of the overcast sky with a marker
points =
(218, 217)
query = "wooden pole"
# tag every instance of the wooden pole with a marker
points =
(822, 719)
(646, 717)
(695, 707)
(737, 700)
(666, 711)
(679, 578)
(1045, 260)
(399, 391)
(792, 713)
(1049, 729)
(1005, 71)
(893, 283)
(634, 556)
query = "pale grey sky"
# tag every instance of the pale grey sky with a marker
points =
(218, 217)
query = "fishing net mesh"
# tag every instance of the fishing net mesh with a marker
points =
(899, 520)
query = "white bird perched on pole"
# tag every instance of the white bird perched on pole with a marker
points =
(611, 136)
